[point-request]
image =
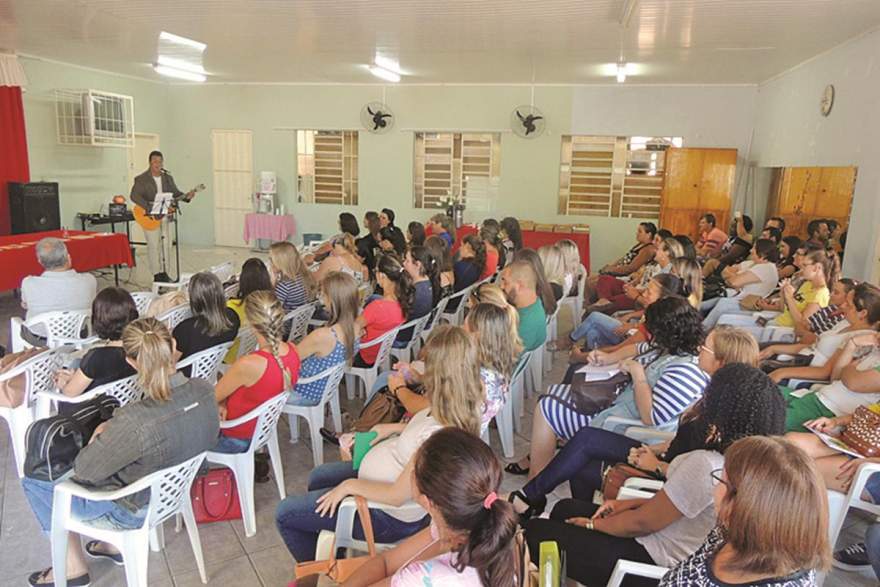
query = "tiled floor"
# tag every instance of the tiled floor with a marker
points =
(231, 558)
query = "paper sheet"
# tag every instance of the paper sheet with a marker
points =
(161, 203)
(836, 444)
(598, 372)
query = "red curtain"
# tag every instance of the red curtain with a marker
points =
(13, 148)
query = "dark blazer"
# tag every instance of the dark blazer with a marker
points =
(143, 191)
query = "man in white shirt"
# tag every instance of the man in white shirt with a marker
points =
(57, 289)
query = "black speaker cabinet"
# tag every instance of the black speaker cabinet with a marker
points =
(33, 207)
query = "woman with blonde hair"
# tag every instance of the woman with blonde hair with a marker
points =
(757, 540)
(259, 376)
(690, 273)
(489, 293)
(175, 421)
(343, 257)
(455, 398)
(554, 269)
(293, 281)
(571, 257)
(334, 342)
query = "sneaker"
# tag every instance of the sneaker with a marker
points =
(852, 558)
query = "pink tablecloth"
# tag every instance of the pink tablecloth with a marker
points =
(273, 227)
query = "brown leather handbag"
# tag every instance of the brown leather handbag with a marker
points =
(338, 570)
(863, 432)
(383, 408)
(614, 477)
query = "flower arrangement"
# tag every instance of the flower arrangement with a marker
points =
(452, 203)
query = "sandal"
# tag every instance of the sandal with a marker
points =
(329, 436)
(38, 579)
(535, 506)
(92, 551)
(514, 469)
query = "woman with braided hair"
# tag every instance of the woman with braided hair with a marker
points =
(258, 376)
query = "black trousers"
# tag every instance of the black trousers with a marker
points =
(590, 555)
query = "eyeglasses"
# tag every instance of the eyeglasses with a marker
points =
(716, 479)
(707, 349)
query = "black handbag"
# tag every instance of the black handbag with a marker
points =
(591, 397)
(52, 444)
(714, 287)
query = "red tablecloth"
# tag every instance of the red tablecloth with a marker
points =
(534, 239)
(273, 227)
(88, 251)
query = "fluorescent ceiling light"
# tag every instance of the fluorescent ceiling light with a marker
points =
(179, 73)
(175, 63)
(163, 36)
(388, 63)
(621, 73)
(385, 74)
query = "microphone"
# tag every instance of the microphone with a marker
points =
(165, 171)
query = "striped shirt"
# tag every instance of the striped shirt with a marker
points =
(824, 319)
(679, 386)
(291, 294)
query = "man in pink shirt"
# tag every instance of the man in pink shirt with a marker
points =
(711, 237)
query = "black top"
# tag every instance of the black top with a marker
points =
(557, 291)
(105, 364)
(466, 274)
(190, 339)
(366, 248)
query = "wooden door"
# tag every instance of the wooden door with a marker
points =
(806, 193)
(698, 181)
(232, 158)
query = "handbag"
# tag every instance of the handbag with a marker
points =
(52, 444)
(591, 397)
(863, 432)
(215, 497)
(338, 570)
(383, 408)
(714, 286)
(614, 477)
(770, 365)
(750, 302)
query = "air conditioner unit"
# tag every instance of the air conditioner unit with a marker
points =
(94, 118)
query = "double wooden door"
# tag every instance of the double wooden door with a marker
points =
(802, 194)
(698, 181)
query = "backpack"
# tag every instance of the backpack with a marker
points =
(52, 444)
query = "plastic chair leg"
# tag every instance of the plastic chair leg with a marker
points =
(135, 553)
(157, 538)
(316, 420)
(244, 480)
(277, 467)
(21, 419)
(336, 412)
(294, 428)
(349, 386)
(504, 419)
(193, 530)
(516, 397)
(59, 537)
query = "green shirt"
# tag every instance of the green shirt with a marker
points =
(532, 325)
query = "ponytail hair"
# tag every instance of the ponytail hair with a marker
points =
(829, 261)
(691, 277)
(430, 269)
(671, 286)
(461, 477)
(264, 313)
(390, 267)
(479, 248)
(148, 343)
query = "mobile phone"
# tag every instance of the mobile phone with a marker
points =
(761, 321)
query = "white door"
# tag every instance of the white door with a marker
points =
(233, 188)
(138, 161)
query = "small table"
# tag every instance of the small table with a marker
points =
(272, 227)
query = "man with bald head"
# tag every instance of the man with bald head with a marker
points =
(519, 282)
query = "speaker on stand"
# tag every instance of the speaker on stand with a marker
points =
(34, 207)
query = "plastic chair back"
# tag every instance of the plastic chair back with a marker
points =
(175, 316)
(299, 322)
(142, 300)
(169, 487)
(205, 364)
(247, 341)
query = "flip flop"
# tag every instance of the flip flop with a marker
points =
(38, 579)
(514, 469)
(92, 551)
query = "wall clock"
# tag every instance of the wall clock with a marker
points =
(827, 101)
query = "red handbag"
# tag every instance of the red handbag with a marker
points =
(215, 497)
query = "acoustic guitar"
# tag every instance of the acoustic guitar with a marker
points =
(153, 221)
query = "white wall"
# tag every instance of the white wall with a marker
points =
(790, 131)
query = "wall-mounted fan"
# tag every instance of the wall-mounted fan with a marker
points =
(377, 118)
(527, 122)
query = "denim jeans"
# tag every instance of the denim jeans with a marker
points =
(598, 329)
(107, 515)
(872, 546)
(718, 307)
(299, 525)
(580, 463)
(231, 445)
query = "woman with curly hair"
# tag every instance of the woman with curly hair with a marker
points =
(665, 378)
(666, 528)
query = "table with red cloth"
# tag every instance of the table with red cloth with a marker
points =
(272, 227)
(534, 239)
(88, 251)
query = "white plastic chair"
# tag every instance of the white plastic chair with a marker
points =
(552, 335)
(314, 415)
(436, 313)
(160, 287)
(625, 567)
(299, 322)
(224, 271)
(504, 421)
(169, 495)
(142, 300)
(346, 514)
(62, 328)
(517, 387)
(369, 374)
(247, 341)
(231, 290)
(39, 372)
(638, 430)
(242, 463)
(175, 315)
(124, 390)
(577, 301)
(455, 318)
(418, 326)
(205, 364)
(840, 503)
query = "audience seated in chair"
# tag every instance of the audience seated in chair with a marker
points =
(490, 232)
(58, 288)
(176, 421)
(368, 245)
(293, 281)
(343, 257)
(571, 257)
(112, 310)
(424, 274)
(442, 226)
(394, 239)
(640, 254)
(756, 277)
(212, 322)
(758, 539)
(520, 284)
(384, 313)
(471, 538)
(440, 251)
(470, 262)
(254, 277)
(735, 249)
(385, 472)
(415, 234)
(259, 376)
(511, 237)
(542, 285)
(554, 269)
(711, 237)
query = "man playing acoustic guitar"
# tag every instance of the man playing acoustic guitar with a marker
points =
(146, 186)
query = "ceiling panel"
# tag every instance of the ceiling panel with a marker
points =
(451, 41)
